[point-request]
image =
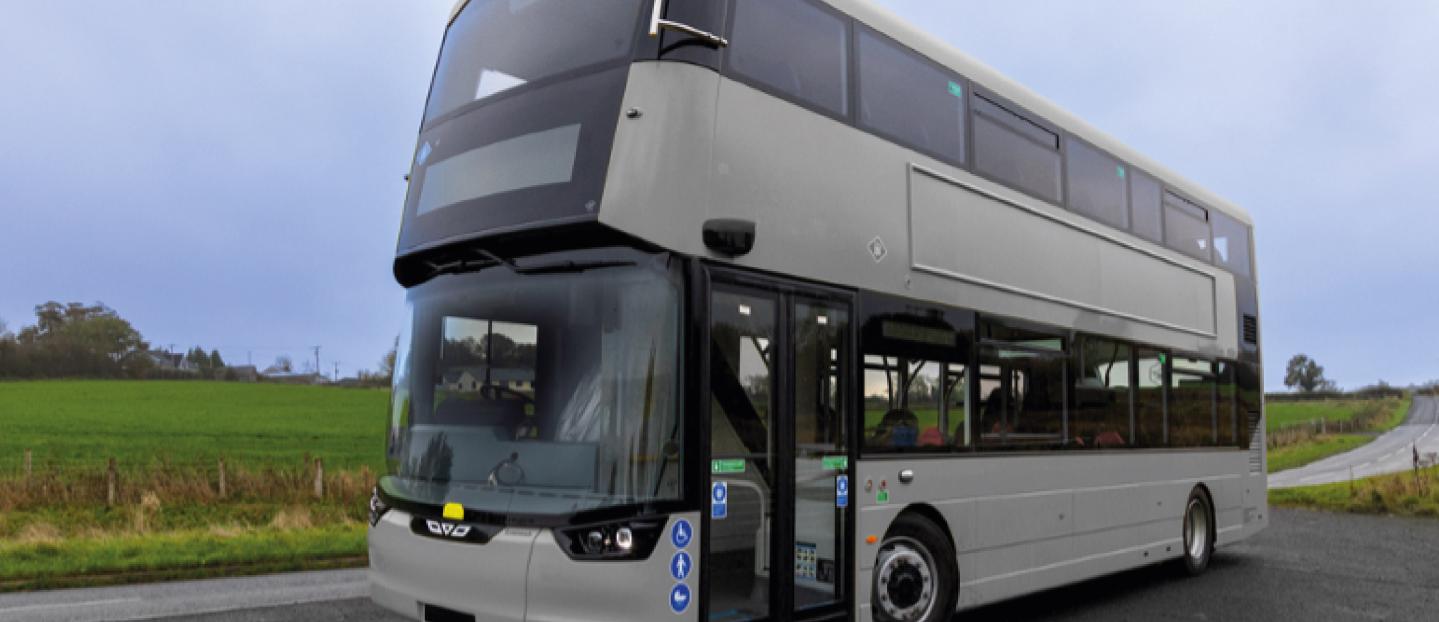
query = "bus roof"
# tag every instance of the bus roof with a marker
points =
(881, 19)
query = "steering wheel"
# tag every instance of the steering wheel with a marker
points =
(507, 473)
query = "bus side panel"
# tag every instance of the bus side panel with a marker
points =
(1026, 522)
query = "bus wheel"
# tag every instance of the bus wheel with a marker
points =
(914, 574)
(1198, 533)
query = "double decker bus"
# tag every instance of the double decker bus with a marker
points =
(782, 309)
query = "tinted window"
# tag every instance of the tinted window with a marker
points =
(793, 47)
(903, 403)
(910, 99)
(1149, 398)
(1191, 402)
(1186, 227)
(1231, 243)
(1228, 405)
(1015, 150)
(1147, 222)
(1098, 185)
(1250, 391)
(497, 45)
(1021, 388)
(1099, 412)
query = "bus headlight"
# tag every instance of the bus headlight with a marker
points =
(622, 540)
(377, 507)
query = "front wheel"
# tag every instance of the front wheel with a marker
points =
(1198, 533)
(914, 576)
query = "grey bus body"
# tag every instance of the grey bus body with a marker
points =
(860, 256)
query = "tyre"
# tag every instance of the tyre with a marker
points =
(915, 573)
(1198, 532)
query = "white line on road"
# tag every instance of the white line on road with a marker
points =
(85, 603)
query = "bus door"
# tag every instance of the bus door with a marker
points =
(779, 517)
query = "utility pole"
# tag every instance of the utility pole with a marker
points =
(337, 371)
(317, 361)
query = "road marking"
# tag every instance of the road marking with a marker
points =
(84, 603)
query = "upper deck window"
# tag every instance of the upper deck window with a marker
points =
(1098, 184)
(1146, 196)
(794, 47)
(1016, 150)
(1186, 227)
(909, 98)
(1231, 243)
(497, 45)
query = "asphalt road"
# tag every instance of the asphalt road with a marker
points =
(1390, 453)
(1307, 566)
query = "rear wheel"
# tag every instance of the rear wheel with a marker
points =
(1198, 532)
(914, 576)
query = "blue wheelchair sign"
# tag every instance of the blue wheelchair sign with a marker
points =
(682, 533)
(719, 500)
(841, 491)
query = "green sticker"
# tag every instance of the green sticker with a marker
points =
(727, 466)
(1119, 170)
(835, 463)
(956, 90)
(882, 496)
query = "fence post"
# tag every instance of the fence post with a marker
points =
(110, 484)
(27, 467)
(319, 479)
(224, 486)
(1323, 425)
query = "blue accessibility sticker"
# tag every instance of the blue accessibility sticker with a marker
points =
(719, 500)
(680, 566)
(682, 533)
(841, 491)
(680, 598)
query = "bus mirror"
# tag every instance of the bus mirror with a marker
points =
(729, 236)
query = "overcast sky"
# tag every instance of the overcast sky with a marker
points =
(229, 174)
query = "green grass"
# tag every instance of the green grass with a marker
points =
(169, 520)
(48, 562)
(1397, 416)
(1284, 414)
(1294, 456)
(82, 423)
(1399, 494)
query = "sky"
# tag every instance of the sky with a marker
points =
(229, 173)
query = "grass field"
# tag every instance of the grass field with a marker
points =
(146, 424)
(1284, 414)
(1399, 494)
(1294, 456)
(169, 518)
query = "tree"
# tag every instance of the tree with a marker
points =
(75, 340)
(1307, 375)
(216, 363)
(387, 362)
(284, 364)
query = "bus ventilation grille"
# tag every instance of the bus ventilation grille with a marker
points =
(1251, 329)
(1256, 444)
